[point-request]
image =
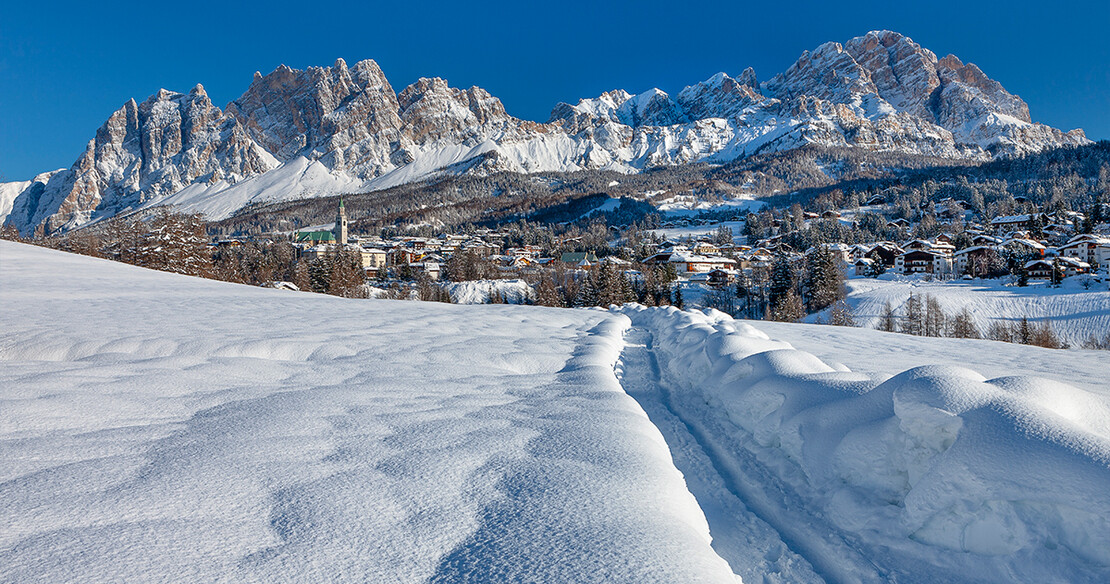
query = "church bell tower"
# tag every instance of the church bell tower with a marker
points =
(341, 224)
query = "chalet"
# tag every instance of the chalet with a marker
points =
(1072, 266)
(721, 277)
(583, 259)
(921, 261)
(864, 266)
(1092, 249)
(858, 251)
(615, 261)
(479, 248)
(876, 200)
(884, 252)
(705, 248)
(986, 240)
(939, 247)
(1038, 270)
(432, 269)
(898, 224)
(1023, 246)
(967, 256)
(830, 215)
(689, 263)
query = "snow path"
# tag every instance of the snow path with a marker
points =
(811, 472)
(759, 524)
(752, 547)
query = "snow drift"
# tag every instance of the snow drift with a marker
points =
(156, 427)
(936, 469)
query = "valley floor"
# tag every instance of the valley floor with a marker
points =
(156, 427)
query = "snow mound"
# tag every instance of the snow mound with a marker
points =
(983, 479)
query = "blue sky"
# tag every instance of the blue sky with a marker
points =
(65, 67)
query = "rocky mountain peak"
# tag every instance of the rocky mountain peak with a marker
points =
(433, 111)
(748, 78)
(340, 128)
(719, 96)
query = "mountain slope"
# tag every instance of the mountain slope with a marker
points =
(327, 130)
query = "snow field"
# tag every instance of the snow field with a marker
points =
(935, 474)
(1075, 313)
(479, 291)
(156, 427)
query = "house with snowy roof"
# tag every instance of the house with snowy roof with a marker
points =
(1090, 248)
(923, 261)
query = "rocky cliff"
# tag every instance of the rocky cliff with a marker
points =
(324, 130)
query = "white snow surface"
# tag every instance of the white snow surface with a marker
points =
(1076, 313)
(479, 291)
(936, 474)
(156, 427)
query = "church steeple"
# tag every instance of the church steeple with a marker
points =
(341, 224)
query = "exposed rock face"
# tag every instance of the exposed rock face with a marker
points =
(348, 117)
(322, 130)
(145, 150)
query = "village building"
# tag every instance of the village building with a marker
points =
(921, 261)
(1092, 249)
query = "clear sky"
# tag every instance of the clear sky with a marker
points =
(66, 66)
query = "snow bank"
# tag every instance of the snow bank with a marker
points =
(480, 291)
(993, 480)
(161, 428)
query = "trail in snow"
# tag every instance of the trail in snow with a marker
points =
(758, 524)
(751, 546)
(935, 475)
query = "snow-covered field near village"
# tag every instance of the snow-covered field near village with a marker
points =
(1076, 312)
(156, 427)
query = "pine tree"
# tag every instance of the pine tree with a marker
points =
(678, 302)
(1024, 332)
(784, 278)
(841, 314)
(825, 282)
(789, 308)
(588, 293)
(547, 293)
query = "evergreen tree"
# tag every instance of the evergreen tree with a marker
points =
(784, 279)
(789, 308)
(825, 282)
(841, 314)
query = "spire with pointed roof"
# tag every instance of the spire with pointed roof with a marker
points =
(341, 224)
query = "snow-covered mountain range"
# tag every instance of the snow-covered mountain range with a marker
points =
(327, 130)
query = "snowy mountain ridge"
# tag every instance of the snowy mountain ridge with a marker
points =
(327, 130)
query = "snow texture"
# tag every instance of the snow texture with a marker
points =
(156, 427)
(480, 291)
(936, 474)
(1076, 313)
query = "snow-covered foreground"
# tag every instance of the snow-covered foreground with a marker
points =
(159, 427)
(934, 475)
(156, 427)
(1075, 313)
